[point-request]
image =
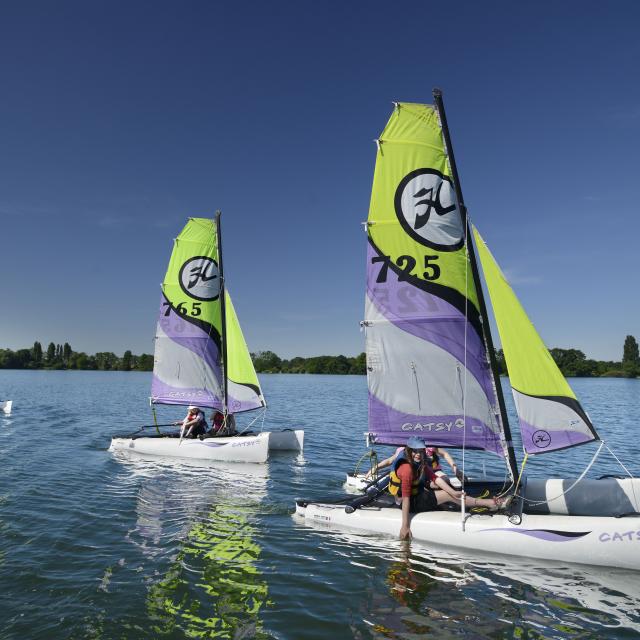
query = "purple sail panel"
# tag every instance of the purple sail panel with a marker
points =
(238, 405)
(430, 318)
(537, 440)
(388, 426)
(187, 366)
(162, 393)
(196, 337)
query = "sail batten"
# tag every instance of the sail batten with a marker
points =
(428, 368)
(188, 362)
(550, 415)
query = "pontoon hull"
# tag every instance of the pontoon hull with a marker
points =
(603, 541)
(231, 449)
(286, 440)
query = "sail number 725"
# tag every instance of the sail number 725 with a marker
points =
(407, 264)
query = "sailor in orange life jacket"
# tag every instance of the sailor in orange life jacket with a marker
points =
(409, 484)
(194, 424)
(433, 455)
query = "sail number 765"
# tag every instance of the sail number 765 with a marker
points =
(407, 264)
(183, 308)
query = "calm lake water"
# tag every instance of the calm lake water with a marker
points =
(96, 546)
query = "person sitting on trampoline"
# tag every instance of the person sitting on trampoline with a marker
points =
(194, 424)
(409, 482)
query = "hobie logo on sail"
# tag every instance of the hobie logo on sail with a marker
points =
(200, 278)
(425, 204)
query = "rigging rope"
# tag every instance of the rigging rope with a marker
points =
(373, 456)
(582, 475)
(633, 488)
(262, 414)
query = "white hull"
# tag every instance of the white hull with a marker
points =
(603, 541)
(286, 440)
(230, 449)
(6, 406)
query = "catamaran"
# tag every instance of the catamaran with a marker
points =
(432, 372)
(6, 407)
(201, 358)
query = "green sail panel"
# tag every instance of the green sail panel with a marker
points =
(427, 363)
(243, 386)
(550, 416)
(188, 346)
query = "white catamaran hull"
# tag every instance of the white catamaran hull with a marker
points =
(286, 440)
(604, 541)
(6, 406)
(231, 449)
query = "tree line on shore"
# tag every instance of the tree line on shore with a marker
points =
(572, 362)
(59, 356)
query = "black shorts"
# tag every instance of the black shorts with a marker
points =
(198, 430)
(424, 501)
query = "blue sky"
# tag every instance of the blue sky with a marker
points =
(118, 120)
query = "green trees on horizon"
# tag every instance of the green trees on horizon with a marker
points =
(571, 362)
(64, 357)
(574, 363)
(631, 358)
(269, 362)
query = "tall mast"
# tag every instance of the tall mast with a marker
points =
(513, 465)
(223, 317)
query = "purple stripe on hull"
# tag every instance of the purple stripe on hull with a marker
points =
(388, 426)
(545, 534)
(430, 318)
(537, 440)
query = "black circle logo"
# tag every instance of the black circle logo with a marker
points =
(541, 438)
(200, 278)
(426, 207)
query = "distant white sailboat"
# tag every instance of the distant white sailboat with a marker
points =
(6, 407)
(432, 374)
(201, 357)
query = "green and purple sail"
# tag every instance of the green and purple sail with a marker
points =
(427, 360)
(428, 365)
(550, 416)
(188, 365)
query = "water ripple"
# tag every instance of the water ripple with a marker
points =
(96, 545)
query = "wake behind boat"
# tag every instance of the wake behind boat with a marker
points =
(202, 360)
(432, 374)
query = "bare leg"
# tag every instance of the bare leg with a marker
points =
(469, 501)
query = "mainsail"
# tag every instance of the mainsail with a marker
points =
(428, 364)
(550, 416)
(188, 366)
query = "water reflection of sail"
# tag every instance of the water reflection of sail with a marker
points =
(228, 593)
(194, 527)
(167, 507)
